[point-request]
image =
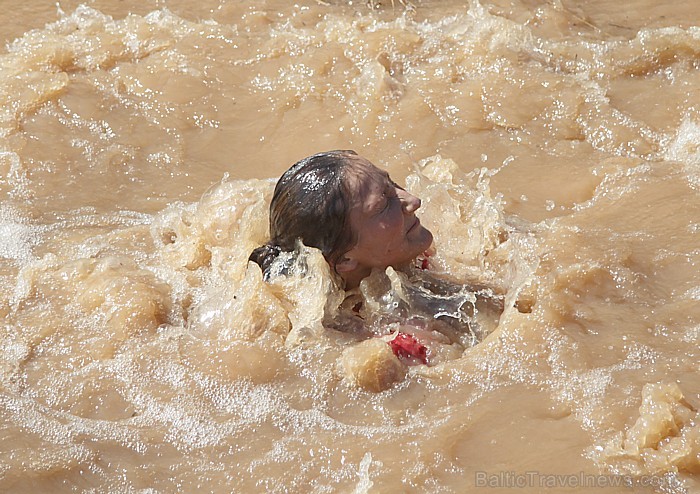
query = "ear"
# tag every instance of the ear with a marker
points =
(345, 264)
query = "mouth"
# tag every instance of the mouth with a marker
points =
(414, 225)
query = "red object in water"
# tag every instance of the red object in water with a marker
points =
(423, 262)
(406, 347)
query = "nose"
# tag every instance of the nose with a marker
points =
(409, 203)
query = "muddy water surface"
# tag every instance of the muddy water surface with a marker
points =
(555, 145)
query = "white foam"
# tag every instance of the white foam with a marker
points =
(685, 147)
(365, 483)
(17, 237)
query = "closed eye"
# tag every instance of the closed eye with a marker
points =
(388, 201)
(383, 205)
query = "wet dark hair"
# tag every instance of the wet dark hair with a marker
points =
(311, 204)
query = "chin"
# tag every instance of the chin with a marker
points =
(426, 239)
(422, 245)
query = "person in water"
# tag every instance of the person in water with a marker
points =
(362, 221)
(343, 205)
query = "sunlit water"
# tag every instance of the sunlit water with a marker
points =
(555, 145)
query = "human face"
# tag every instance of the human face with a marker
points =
(383, 220)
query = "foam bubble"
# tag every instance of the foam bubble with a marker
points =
(685, 147)
(17, 236)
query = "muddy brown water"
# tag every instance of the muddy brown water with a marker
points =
(139, 142)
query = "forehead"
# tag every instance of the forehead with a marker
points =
(364, 179)
(367, 185)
